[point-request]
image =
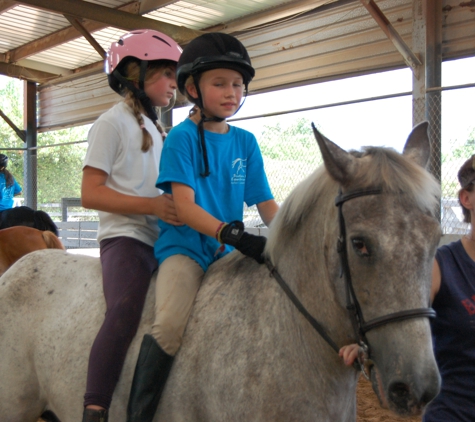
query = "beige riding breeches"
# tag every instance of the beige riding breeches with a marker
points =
(179, 278)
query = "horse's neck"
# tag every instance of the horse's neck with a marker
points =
(311, 277)
(314, 264)
(295, 349)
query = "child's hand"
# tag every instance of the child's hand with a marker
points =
(164, 208)
(248, 244)
(349, 353)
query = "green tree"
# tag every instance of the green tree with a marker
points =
(11, 102)
(452, 161)
(466, 150)
(295, 141)
(290, 155)
(59, 156)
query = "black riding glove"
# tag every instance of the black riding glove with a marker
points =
(248, 244)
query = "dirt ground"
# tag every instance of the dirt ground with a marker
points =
(369, 410)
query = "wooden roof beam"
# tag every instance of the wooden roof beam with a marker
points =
(113, 17)
(83, 31)
(60, 37)
(20, 72)
(270, 15)
(409, 57)
(6, 4)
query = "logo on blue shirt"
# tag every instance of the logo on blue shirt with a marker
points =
(239, 166)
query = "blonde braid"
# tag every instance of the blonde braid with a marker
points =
(158, 125)
(136, 107)
(134, 103)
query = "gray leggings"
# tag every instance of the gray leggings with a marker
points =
(127, 267)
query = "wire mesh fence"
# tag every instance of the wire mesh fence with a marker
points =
(449, 150)
(290, 154)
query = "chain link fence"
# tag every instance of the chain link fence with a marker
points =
(449, 150)
(290, 154)
(56, 177)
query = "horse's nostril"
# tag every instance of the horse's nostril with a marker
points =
(399, 394)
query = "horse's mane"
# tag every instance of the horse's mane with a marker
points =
(376, 167)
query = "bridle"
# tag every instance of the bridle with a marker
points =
(360, 326)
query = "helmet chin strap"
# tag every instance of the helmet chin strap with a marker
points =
(139, 93)
(201, 130)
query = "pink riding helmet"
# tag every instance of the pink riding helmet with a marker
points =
(142, 44)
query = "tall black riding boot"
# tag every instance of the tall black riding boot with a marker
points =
(151, 373)
(91, 415)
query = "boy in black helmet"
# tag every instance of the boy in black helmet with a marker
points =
(9, 187)
(211, 169)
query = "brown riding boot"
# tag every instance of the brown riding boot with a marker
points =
(93, 415)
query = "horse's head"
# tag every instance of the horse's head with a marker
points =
(389, 235)
(379, 244)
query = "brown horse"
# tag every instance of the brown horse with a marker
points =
(17, 241)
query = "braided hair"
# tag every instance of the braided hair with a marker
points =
(136, 104)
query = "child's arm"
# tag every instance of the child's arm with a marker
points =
(192, 214)
(267, 210)
(436, 280)
(202, 221)
(96, 195)
(349, 353)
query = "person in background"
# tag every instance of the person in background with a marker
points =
(453, 330)
(211, 168)
(9, 187)
(119, 175)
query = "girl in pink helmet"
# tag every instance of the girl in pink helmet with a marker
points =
(119, 175)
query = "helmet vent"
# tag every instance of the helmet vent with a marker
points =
(161, 39)
(234, 54)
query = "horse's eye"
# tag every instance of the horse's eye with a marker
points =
(359, 246)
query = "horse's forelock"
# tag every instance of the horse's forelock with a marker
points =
(395, 173)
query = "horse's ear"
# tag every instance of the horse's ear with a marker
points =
(338, 162)
(418, 144)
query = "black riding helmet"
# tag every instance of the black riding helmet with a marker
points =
(213, 50)
(3, 161)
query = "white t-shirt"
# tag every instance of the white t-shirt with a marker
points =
(115, 142)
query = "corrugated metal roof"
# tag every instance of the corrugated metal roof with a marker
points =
(290, 42)
(195, 14)
(336, 41)
(23, 24)
(200, 14)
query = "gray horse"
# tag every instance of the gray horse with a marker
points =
(251, 352)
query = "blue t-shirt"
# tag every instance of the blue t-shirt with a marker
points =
(7, 193)
(237, 176)
(453, 334)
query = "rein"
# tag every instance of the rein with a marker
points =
(315, 324)
(352, 305)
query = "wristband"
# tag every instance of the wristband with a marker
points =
(218, 232)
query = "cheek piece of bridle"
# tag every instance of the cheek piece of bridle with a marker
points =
(360, 327)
